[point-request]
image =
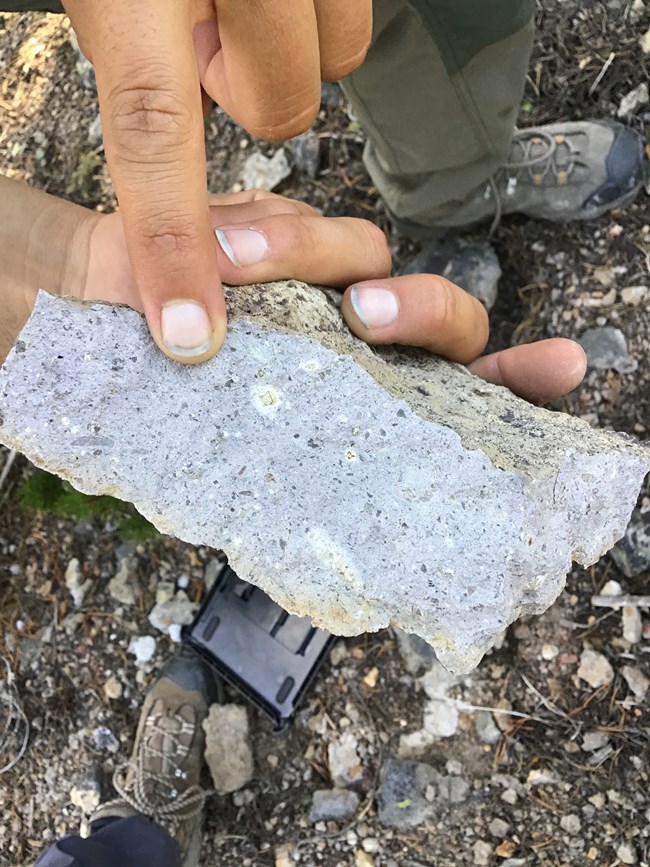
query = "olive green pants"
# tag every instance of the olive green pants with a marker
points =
(438, 96)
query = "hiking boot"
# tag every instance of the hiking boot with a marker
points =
(564, 171)
(161, 781)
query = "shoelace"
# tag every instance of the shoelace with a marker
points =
(527, 140)
(169, 807)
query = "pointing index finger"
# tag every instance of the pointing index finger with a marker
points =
(150, 101)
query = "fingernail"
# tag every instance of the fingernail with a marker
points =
(186, 328)
(243, 247)
(375, 306)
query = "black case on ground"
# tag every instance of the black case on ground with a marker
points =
(255, 645)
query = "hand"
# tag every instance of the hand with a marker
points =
(265, 237)
(154, 61)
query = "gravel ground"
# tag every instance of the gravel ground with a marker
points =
(541, 756)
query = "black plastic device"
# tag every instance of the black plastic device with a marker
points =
(267, 654)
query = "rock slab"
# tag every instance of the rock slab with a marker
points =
(360, 487)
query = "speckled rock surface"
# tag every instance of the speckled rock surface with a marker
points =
(357, 487)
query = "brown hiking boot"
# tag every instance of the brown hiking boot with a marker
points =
(564, 171)
(161, 781)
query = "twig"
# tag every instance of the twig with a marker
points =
(602, 72)
(11, 457)
(621, 601)
(15, 720)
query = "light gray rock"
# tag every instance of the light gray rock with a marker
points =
(143, 648)
(415, 651)
(74, 582)
(633, 100)
(228, 752)
(343, 759)
(333, 805)
(632, 553)
(636, 680)
(265, 173)
(413, 793)
(595, 669)
(486, 729)
(104, 739)
(359, 487)
(606, 347)
(121, 586)
(178, 611)
(475, 267)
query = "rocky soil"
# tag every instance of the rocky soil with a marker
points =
(541, 756)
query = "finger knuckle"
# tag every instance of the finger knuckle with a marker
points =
(288, 118)
(444, 305)
(149, 120)
(171, 240)
(380, 257)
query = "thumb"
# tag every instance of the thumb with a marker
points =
(150, 100)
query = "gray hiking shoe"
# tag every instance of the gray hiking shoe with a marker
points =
(161, 781)
(564, 171)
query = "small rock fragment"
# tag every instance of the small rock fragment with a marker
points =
(264, 173)
(550, 651)
(637, 11)
(644, 42)
(306, 152)
(636, 680)
(143, 648)
(178, 611)
(482, 853)
(338, 653)
(486, 728)
(113, 688)
(343, 759)
(632, 624)
(227, 748)
(212, 572)
(95, 134)
(75, 583)
(634, 295)
(410, 793)
(634, 99)
(626, 854)
(611, 588)
(283, 856)
(606, 347)
(594, 741)
(165, 591)
(595, 669)
(632, 553)
(333, 805)
(104, 739)
(571, 824)
(363, 859)
(415, 651)
(330, 95)
(370, 678)
(121, 584)
(475, 267)
(499, 828)
(87, 794)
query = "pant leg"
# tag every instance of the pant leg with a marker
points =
(438, 96)
(133, 842)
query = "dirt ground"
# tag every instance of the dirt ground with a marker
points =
(549, 770)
